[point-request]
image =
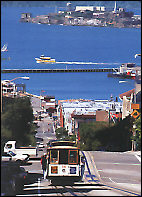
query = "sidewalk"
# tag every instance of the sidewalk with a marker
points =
(135, 152)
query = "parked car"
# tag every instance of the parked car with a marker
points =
(39, 139)
(18, 157)
(13, 178)
(41, 145)
(11, 146)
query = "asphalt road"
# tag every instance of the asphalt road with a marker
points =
(46, 129)
(46, 132)
(120, 169)
(35, 102)
(106, 174)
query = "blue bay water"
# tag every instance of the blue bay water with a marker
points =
(104, 47)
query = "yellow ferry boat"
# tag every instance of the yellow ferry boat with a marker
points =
(44, 59)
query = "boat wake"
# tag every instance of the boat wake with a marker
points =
(88, 63)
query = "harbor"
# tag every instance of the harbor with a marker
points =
(129, 71)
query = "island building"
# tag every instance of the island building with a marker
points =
(26, 17)
(97, 16)
(97, 8)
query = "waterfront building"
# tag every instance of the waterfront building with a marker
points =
(8, 88)
(11, 89)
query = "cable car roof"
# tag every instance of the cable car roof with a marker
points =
(63, 147)
(62, 143)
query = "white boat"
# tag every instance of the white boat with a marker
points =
(122, 81)
(44, 59)
(4, 48)
(137, 55)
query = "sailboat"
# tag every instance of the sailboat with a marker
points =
(4, 48)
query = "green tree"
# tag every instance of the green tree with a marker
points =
(99, 136)
(17, 121)
(61, 133)
(137, 122)
(88, 132)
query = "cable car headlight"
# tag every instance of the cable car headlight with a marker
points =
(54, 169)
(63, 170)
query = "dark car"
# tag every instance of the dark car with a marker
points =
(12, 178)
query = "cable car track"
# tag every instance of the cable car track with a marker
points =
(77, 189)
(92, 184)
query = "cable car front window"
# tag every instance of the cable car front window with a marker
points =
(63, 156)
(54, 156)
(73, 157)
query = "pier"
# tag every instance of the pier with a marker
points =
(58, 70)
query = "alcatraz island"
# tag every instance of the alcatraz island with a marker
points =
(97, 16)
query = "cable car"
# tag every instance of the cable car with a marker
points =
(63, 162)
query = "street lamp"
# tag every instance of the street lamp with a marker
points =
(25, 77)
(18, 78)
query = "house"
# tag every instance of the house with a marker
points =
(48, 102)
(131, 97)
(127, 98)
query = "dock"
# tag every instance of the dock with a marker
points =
(58, 70)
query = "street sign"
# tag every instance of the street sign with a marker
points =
(135, 113)
(135, 106)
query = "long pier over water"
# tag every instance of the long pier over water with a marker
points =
(58, 70)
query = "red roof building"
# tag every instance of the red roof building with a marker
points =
(127, 94)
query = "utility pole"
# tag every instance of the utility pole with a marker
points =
(134, 140)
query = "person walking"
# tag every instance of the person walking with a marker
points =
(82, 166)
(44, 165)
